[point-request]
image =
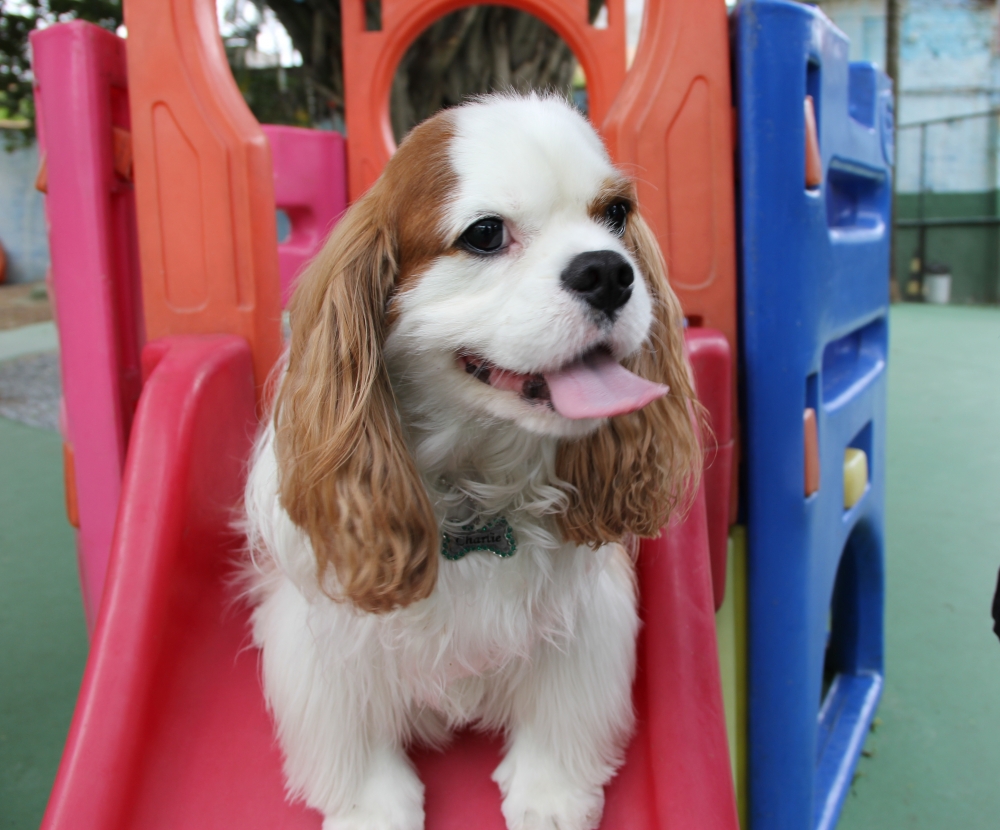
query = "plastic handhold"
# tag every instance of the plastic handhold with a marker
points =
(811, 450)
(42, 176)
(310, 185)
(855, 476)
(69, 486)
(122, 145)
(814, 162)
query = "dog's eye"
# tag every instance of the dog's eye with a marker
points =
(616, 216)
(485, 236)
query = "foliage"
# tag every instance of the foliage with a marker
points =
(472, 51)
(275, 95)
(469, 52)
(17, 21)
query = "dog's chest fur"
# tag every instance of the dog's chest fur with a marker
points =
(488, 612)
(486, 618)
(456, 651)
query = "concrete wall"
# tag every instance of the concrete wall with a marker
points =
(949, 65)
(22, 217)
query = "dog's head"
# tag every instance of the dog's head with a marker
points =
(501, 266)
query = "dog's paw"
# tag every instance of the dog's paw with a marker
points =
(539, 795)
(392, 798)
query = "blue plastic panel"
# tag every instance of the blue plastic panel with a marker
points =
(814, 294)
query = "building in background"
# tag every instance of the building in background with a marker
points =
(22, 215)
(947, 165)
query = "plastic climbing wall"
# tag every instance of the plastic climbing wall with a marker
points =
(816, 163)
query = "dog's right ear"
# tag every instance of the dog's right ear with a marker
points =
(346, 476)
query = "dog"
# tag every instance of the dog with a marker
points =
(485, 397)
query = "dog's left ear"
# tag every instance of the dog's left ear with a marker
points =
(630, 475)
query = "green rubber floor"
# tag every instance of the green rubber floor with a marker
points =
(43, 638)
(934, 760)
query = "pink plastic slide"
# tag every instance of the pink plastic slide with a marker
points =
(171, 731)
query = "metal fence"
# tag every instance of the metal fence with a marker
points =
(983, 168)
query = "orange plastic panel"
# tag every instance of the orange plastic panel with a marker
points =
(204, 195)
(812, 451)
(814, 162)
(370, 60)
(671, 125)
(672, 128)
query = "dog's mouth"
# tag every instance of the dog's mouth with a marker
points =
(595, 385)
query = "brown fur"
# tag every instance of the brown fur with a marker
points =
(630, 475)
(614, 190)
(346, 476)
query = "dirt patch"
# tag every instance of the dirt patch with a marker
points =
(23, 304)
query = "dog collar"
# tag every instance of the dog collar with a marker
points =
(496, 537)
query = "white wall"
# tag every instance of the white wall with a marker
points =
(948, 66)
(22, 217)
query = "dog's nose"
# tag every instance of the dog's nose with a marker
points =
(603, 278)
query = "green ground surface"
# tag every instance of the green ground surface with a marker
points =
(935, 757)
(43, 640)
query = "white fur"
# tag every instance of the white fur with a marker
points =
(538, 164)
(541, 645)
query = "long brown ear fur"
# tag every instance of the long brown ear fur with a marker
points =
(633, 472)
(345, 475)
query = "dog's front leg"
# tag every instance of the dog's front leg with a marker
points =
(327, 681)
(572, 714)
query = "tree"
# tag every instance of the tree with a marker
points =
(474, 50)
(16, 24)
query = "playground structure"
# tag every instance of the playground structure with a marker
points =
(168, 296)
(815, 401)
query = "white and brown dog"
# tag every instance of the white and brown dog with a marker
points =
(474, 415)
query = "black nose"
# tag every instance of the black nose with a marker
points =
(603, 278)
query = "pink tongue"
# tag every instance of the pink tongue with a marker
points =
(597, 386)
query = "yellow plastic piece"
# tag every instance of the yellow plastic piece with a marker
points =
(731, 633)
(855, 476)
